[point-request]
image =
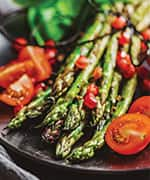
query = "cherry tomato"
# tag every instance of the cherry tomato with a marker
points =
(90, 101)
(18, 93)
(124, 38)
(141, 105)
(37, 55)
(50, 43)
(146, 85)
(92, 88)
(129, 71)
(146, 34)
(50, 53)
(82, 62)
(97, 74)
(19, 43)
(128, 134)
(124, 64)
(11, 72)
(119, 22)
(143, 47)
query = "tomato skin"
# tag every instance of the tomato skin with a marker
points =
(92, 88)
(124, 39)
(11, 72)
(141, 105)
(50, 43)
(82, 62)
(128, 134)
(41, 64)
(90, 101)
(146, 34)
(97, 74)
(119, 22)
(125, 66)
(18, 93)
(19, 43)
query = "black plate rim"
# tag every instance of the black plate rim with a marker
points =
(64, 166)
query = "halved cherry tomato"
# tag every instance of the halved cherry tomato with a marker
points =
(141, 105)
(124, 38)
(37, 55)
(11, 72)
(92, 88)
(129, 71)
(146, 34)
(19, 43)
(119, 22)
(129, 134)
(90, 101)
(18, 93)
(82, 62)
(97, 74)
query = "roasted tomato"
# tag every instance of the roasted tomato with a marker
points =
(11, 72)
(92, 88)
(37, 55)
(119, 22)
(97, 74)
(129, 134)
(141, 105)
(18, 93)
(90, 101)
(82, 62)
(19, 43)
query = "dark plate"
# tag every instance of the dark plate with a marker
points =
(29, 144)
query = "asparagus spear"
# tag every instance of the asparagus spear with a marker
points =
(33, 109)
(60, 109)
(65, 144)
(135, 49)
(97, 141)
(66, 77)
(108, 69)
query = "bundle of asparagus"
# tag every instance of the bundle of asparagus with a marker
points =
(63, 106)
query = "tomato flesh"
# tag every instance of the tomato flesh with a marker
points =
(82, 62)
(90, 101)
(92, 88)
(18, 93)
(11, 72)
(19, 43)
(128, 134)
(97, 74)
(119, 22)
(42, 66)
(141, 105)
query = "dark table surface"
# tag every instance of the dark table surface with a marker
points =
(46, 173)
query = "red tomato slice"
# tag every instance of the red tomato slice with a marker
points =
(11, 72)
(18, 93)
(92, 88)
(37, 55)
(129, 134)
(141, 105)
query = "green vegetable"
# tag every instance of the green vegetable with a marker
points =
(32, 110)
(87, 150)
